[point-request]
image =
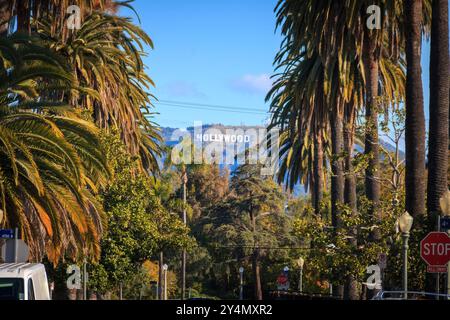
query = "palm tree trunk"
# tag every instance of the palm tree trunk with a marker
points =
(439, 105)
(5, 16)
(23, 16)
(337, 178)
(160, 276)
(371, 150)
(351, 285)
(318, 173)
(350, 178)
(415, 117)
(439, 113)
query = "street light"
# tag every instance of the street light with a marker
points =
(241, 283)
(300, 263)
(404, 223)
(165, 267)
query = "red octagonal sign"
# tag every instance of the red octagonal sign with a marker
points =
(435, 249)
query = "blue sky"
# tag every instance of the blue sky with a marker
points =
(215, 52)
(210, 52)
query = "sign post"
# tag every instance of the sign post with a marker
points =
(16, 244)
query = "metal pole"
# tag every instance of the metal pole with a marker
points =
(165, 284)
(120, 291)
(448, 274)
(241, 286)
(16, 244)
(405, 237)
(300, 281)
(183, 261)
(161, 276)
(438, 275)
(84, 281)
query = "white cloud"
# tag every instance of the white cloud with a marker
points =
(254, 84)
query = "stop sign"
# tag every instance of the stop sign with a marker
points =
(435, 249)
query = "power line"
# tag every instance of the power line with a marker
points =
(213, 108)
(210, 105)
(210, 109)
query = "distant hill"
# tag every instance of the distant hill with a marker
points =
(169, 136)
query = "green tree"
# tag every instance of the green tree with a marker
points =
(139, 227)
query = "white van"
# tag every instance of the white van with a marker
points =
(23, 281)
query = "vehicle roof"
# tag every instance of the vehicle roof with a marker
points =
(19, 270)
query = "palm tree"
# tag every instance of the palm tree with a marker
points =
(346, 83)
(106, 54)
(439, 104)
(51, 165)
(114, 62)
(439, 115)
(298, 110)
(336, 58)
(415, 117)
(27, 10)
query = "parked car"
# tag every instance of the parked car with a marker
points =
(23, 281)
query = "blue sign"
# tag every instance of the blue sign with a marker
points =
(6, 234)
(445, 223)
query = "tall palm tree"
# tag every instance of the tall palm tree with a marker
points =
(338, 44)
(51, 165)
(439, 116)
(298, 110)
(415, 117)
(439, 108)
(121, 44)
(106, 54)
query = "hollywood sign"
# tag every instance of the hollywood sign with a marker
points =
(227, 138)
(227, 147)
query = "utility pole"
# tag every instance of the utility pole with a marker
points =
(85, 277)
(16, 244)
(241, 283)
(160, 276)
(183, 260)
(165, 267)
